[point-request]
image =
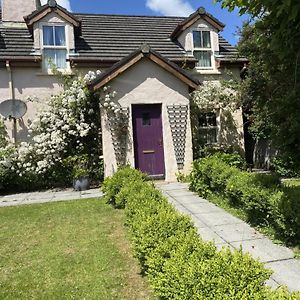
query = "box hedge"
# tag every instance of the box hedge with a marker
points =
(178, 263)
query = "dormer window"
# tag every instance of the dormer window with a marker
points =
(54, 47)
(202, 48)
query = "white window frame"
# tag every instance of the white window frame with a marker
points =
(217, 128)
(211, 50)
(66, 47)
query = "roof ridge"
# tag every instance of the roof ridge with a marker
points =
(123, 15)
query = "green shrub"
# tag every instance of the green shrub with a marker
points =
(113, 185)
(289, 207)
(232, 159)
(285, 166)
(195, 272)
(206, 169)
(266, 180)
(178, 263)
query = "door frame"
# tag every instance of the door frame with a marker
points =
(160, 176)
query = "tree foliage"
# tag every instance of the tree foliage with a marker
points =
(282, 17)
(271, 90)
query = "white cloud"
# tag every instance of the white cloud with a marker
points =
(171, 7)
(64, 3)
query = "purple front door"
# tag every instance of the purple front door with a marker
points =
(148, 139)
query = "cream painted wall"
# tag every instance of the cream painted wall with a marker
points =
(231, 130)
(15, 11)
(33, 83)
(27, 82)
(147, 83)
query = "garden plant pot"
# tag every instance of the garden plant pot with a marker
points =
(81, 183)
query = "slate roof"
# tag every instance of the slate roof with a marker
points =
(109, 38)
(114, 37)
(145, 51)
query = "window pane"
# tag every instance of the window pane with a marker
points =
(206, 39)
(203, 136)
(61, 56)
(49, 58)
(55, 57)
(146, 119)
(211, 136)
(211, 119)
(204, 58)
(60, 36)
(202, 120)
(48, 38)
(197, 39)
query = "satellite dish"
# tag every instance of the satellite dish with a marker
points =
(13, 108)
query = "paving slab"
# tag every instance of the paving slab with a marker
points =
(43, 196)
(264, 250)
(218, 218)
(172, 186)
(181, 208)
(272, 283)
(188, 199)
(89, 196)
(61, 199)
(35, 201)
(201, 208)
(198, 223)
(208, 234)
(48, 196)
(221, 246)
(8, 204)
(237, 232)
(13, 198)
(286, 272)
(178, 193)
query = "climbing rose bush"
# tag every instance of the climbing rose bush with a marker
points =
(70, 125)
(213, 96)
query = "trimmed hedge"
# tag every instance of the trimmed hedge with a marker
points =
(179, 264)
(260, 196)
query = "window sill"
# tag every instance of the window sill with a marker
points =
(50, 73)
(207, 71)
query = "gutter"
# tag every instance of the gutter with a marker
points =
(12, 94)
(10, 58)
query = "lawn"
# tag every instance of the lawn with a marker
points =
(67, 250)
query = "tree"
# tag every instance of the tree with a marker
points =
(271, 90)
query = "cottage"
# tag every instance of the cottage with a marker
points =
(153, 63)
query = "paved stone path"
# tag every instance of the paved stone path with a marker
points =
(48, 196)
(215, 224)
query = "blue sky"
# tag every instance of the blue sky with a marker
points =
(159, 7)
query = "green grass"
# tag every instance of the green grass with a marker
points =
(67, 250)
